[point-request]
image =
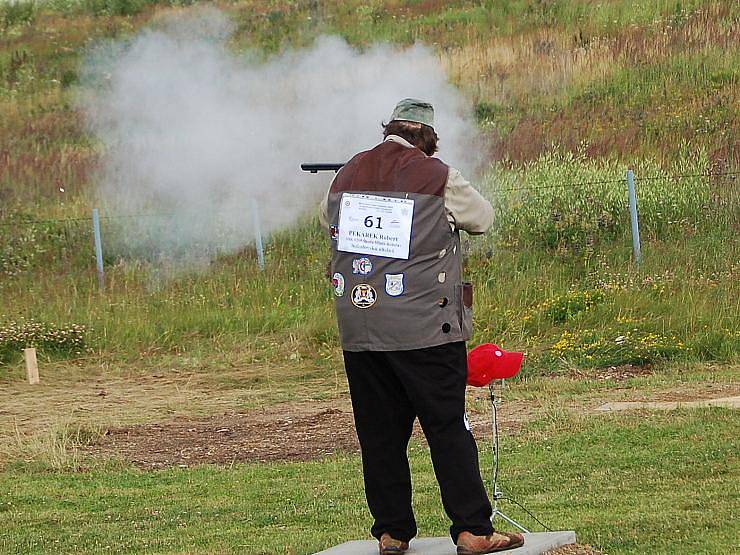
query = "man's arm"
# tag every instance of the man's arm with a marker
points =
(466, 207)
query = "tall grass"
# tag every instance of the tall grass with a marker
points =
(17, 12)
(567, 201)
(543, 64)
(561, 226)
(56, 448)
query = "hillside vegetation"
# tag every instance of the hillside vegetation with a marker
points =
(209, 364)
(570, 93)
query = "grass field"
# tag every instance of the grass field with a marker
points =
(569, 94)
(636, 484)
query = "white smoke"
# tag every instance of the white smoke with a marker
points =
(197, 133)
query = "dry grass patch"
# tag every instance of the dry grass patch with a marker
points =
(545, 63)
(36, 419)
(58, 447)
(554, 63)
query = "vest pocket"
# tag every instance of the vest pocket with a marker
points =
(465, 298)
(467, 294)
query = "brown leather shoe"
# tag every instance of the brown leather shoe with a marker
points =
(389, 546)
(468, 544)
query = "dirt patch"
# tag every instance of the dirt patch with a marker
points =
(696, 392)
(185, 418)
(614, 373)
(624, 372)
(233, 438)
(97, 397)
(286, 432)
(725, 402)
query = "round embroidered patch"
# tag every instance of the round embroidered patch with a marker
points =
(364, 295)
(337, 282)
(362, 266)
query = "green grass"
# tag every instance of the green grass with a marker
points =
(623, 483)
(450, 21)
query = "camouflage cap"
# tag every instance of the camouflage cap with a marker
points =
(410, 109)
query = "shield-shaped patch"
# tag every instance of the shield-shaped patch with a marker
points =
(394, 284)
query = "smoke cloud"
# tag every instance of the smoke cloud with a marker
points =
(194, 134)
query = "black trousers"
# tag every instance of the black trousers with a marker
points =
(389, 390)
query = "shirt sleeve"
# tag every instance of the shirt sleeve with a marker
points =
(324, 210)
(324, 206)
(466, 207)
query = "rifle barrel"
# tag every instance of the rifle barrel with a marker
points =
(322, 167)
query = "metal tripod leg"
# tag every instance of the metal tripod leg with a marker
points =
(497, 493)
(510, 520)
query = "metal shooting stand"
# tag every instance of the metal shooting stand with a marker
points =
(498, 495)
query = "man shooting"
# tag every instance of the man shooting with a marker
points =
(394, 214)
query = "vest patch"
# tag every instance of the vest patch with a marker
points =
(364, 295)
(362, 266)
(337, 281)
(394, 284)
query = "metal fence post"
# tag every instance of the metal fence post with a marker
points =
(98, 247)
(633, 216)
(258, 236)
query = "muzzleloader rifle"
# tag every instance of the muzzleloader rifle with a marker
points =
(323, 167)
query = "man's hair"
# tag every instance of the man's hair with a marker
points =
(420, 135)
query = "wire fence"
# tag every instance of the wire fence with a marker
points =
(74, 231)
(572, 184)
(672, 177)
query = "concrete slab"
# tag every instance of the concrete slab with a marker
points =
(726, 402)
(535, 543)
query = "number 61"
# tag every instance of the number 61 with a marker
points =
(370, 223)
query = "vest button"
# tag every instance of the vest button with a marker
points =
(442, 253)
(443, 302)
(446, 328)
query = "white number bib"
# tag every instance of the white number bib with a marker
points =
(371, 224)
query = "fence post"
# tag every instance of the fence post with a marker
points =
(633, 216)
(32, 365)
(258, 236)
(98, 247)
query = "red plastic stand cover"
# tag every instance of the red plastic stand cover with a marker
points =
(488, 362)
